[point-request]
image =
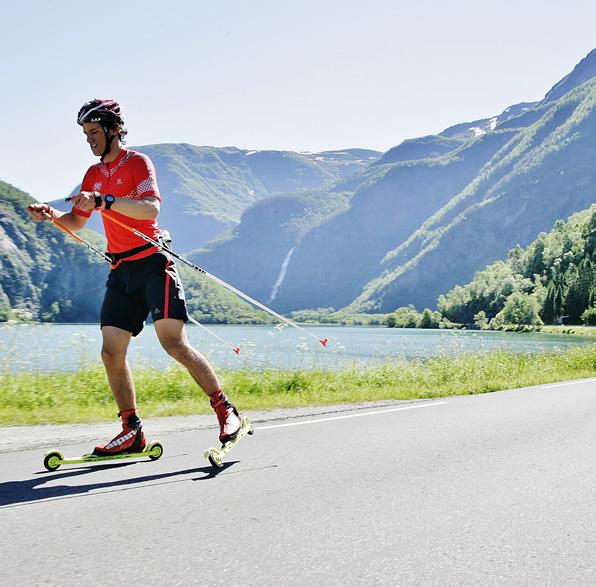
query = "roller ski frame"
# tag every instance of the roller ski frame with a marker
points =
(54, 459)
(215, 456)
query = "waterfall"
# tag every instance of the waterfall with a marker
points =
(280, 277)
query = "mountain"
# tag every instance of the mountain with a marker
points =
(543, 173)
(582, 72)
(427, 214)
(206, 189)
(253, 255)
(476, 128)
(333, 262)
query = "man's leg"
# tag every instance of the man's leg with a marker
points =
(173, 339)
(113, 354)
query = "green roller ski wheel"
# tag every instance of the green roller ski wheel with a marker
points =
(52, 460)
(154, 451)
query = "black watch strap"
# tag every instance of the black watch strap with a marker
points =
(97, 200)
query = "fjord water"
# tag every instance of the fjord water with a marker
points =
(69, 347)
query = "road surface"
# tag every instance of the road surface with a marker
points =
(496, 489)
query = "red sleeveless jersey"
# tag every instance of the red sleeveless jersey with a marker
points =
(131, 176)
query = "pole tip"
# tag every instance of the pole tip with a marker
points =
(324, 341)
(237, 350)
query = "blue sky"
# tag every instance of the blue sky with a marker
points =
(305, 75)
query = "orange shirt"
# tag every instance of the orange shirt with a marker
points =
(132, 176)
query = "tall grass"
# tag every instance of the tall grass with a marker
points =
(84, 395)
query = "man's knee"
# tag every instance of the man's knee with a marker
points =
(177, 348)
(112, 355)
(115, 344)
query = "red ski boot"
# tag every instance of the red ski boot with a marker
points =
(227, 416)
(131, 439)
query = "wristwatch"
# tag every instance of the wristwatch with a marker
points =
(97, 199)
(109, 200)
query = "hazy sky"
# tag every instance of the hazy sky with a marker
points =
(304, 75)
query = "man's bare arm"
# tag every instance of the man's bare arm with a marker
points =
(145, 209)
(41, 212)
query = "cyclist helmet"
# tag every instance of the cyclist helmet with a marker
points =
(106, 112)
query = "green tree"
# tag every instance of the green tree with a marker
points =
(577, 293)
(589, 316)
(586, 281)
(549, 310)
(429, 319)
(521, 309)
(535, 257)
(406, 317)
(480, 320)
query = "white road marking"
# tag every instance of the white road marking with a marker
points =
(567, 383)
(375, 413)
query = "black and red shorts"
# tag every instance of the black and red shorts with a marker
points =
(135, 289)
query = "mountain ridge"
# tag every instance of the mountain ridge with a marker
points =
(340, 261)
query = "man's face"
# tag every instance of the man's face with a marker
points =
(96, 137)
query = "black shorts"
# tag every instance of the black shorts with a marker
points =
(136, 288)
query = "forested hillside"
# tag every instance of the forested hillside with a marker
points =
(553, 277)
(44, 274)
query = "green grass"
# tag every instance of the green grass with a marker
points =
(574, 330)
(84, 396)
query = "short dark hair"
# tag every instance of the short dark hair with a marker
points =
(122, 132)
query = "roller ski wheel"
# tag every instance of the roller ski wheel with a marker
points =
(154, 450)
(54, 459)
(215, 456)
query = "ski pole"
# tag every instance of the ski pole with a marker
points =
(236, 349)
(83, 242)
(204, 272)
(106, 258)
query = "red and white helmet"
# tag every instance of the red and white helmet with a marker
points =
(106, 112)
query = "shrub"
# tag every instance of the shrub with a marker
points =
(589, 316)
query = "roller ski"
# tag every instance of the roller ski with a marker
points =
(130, 443)
(54, 459)
(216, 456)
(232, 429)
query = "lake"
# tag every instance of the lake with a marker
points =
(68, 347)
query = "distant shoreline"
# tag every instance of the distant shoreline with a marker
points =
(567, 330)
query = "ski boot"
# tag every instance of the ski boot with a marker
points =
(231, 428)
(130, 440)
(227, 416)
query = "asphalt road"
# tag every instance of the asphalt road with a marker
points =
(498, 489)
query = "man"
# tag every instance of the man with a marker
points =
(143, 278)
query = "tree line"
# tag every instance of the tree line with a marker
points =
(553, 280)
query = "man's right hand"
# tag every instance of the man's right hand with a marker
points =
(40, 212)
(84, 201)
